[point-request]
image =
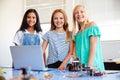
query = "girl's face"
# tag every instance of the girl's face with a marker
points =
(58, 20)
(80, 14)
(31, 19)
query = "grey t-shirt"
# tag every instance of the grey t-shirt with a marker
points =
(58, 47)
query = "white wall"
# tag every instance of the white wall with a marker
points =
(106, 14)
(111, 49)
(11, 12)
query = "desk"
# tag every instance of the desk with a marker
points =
(58, 75)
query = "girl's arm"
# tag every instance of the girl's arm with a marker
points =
(63, 65)
(74, 49)
(44, 46)
(93, 43)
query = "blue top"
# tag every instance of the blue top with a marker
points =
(82, 41)
(26, 38)
(31, 39)
(58, 47)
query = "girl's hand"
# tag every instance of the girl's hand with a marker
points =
(62, 66)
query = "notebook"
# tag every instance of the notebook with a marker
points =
(27, 56)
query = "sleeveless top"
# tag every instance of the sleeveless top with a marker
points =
(25, 38)
(30, 39)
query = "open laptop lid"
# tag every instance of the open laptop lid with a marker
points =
(27, 56)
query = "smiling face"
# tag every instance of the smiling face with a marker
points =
(31, 19)
(80, 14)
(58, 20)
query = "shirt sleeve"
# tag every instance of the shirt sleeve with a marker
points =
(46, 36)
(94, 31)
(18, 38)
(40, 36)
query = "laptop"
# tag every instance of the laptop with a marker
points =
(28, 56)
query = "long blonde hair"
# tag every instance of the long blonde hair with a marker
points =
(75, 22)
(65, 26)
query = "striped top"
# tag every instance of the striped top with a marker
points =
(58, 47)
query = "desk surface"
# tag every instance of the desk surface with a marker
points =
(61, 75)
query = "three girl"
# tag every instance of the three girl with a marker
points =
(60, 45)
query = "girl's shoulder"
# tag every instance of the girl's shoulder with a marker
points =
(91, 24)
(50, 32)
(20, 32)
(39, 33)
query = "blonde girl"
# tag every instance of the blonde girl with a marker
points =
(87, 40)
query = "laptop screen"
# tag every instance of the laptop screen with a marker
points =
(27, 56)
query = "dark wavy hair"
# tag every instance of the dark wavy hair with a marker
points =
(24, 24)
